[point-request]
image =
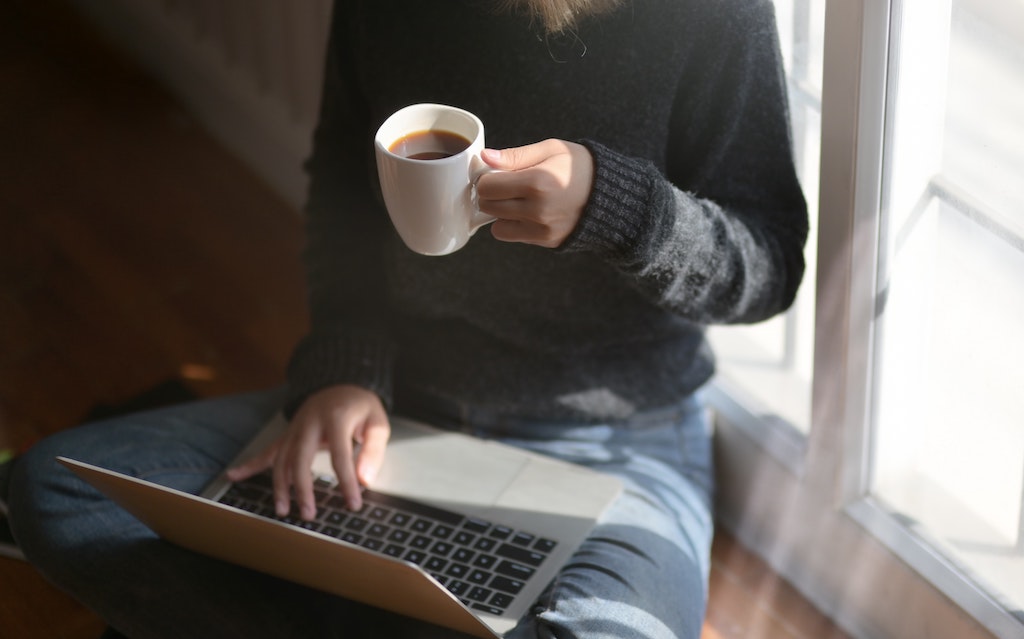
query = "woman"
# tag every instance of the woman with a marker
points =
(647, 191)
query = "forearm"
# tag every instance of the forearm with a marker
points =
(707, 262)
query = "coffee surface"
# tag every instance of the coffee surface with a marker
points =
(432, 144)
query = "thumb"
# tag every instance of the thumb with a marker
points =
(516, 158)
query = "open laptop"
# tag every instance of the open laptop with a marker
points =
(457, 531)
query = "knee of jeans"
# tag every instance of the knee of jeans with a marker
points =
(625, 581)
(44, 499)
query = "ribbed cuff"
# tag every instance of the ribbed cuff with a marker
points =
(615, 218)
(320, 361)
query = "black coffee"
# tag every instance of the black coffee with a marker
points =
(429, 145)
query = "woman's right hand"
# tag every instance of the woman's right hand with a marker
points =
(341, 419)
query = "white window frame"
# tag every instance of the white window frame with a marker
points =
(803, 503)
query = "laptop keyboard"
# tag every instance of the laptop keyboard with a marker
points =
(483, 564)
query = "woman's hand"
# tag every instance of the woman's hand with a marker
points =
(539, 194)
(337, 418)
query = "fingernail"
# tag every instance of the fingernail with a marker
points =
(491, 154)
(281, 507)
(355, 503)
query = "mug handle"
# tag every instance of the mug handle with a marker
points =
(479, 168)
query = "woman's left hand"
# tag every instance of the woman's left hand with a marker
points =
(540, 192)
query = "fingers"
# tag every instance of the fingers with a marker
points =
(546, 235)
(541, 192)
(295, 467)
(344, 471)
(335, 419)
(275, 456)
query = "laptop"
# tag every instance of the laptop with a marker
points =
(457, 531)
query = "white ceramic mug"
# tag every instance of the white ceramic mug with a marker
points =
(432, 203)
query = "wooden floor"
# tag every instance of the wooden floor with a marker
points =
(134, 250)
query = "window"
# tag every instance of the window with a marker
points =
(871, 442)
(947, 451)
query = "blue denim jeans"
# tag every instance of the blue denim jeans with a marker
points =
(641, 574)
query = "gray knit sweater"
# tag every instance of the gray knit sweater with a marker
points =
(696, 215)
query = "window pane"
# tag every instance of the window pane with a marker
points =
(985, 116)
(949, 407)
(770, 363)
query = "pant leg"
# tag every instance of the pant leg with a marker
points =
(143, 586)
(643, 571)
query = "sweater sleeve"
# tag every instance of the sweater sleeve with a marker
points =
(348, 340)
(718, 237)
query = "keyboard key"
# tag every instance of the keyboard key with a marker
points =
(337, 502)
(494, 610)
(522, 539)
(334, 518)
(415, 556)
(394, 550)
(357, 524)
(514, 570)
(400, 519)
(485, 561)
(435, 564)
(442, 532)
(501, 532)
(422, 525)
(501, 600)
(504, 584)
(463, 538)
(352, 538)
(378, 530)
(544, 545)
(399, 536)
(441, 548)
(457, 570)
(421, 542)
(523, 555)
(479, 593)
(372, 543)
(377, 513)
(464, 555)
(485, 544)
(476, 525)
(330, 531)
(457, 588)
(478, 576)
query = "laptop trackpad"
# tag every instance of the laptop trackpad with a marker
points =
(491, 480)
